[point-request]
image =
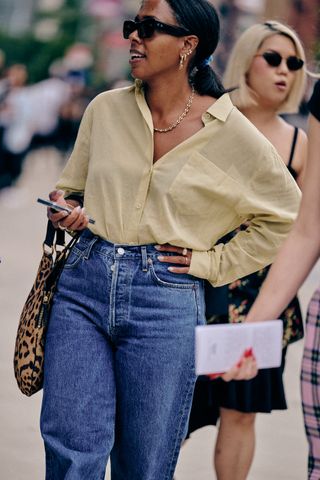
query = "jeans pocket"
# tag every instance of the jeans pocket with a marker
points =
(200, 302)
(73, 258)
(162, 276)
(81, 250)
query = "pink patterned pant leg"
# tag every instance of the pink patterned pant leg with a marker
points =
(310, 385)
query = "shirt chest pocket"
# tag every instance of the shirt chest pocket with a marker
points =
(202, 189)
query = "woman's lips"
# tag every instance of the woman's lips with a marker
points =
(281, 85)
(136, 56)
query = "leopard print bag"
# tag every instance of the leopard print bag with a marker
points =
(30, 339)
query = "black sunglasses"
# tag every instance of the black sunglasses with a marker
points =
(148, 26)
(274, 59)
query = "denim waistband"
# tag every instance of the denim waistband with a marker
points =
(120, 250)
(119, 253)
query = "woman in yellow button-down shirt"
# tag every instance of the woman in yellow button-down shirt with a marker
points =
(167, 161)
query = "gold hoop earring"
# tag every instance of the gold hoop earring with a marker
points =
(183, 58)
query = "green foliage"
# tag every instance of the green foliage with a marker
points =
(37, 54)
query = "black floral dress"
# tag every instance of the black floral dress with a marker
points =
(241, 295)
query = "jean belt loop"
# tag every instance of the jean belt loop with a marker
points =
(144, 259)
(89, 248)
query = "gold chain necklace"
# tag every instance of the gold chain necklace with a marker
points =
(180, 118)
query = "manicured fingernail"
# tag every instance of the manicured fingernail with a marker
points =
(213, 376)
(160, 258)
(171, 269)
(248, 353)
(157, 247)
(78, 209)
(239, 364)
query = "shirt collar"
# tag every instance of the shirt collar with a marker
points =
(221, 108)
(137, 87)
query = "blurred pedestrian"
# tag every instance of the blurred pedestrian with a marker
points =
(165, 167)
(25, 122)
(294, 261)
(15, 108)
(55, 93)
(266, 66)
(72, 110)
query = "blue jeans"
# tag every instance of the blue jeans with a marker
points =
(119, 364)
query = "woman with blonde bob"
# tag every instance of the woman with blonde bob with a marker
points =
(266, 72)
(252, 43)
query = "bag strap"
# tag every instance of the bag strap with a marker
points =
(58, 257)
(51, 233)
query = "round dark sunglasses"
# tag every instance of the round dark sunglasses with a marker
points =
(274, 59)
(148, 26)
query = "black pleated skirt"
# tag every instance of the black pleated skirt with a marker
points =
(263, 393)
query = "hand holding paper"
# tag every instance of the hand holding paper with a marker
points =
(245, 369)
(219, 347)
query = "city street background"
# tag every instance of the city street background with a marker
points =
(281, 452)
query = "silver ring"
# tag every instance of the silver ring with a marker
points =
(185, 252)
(61, 227)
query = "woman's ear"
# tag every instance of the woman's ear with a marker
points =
(190, 44)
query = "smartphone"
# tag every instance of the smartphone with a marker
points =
(58, 208)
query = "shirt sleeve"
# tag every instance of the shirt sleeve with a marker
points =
(74, 175)
(270, 202)
(314, 102)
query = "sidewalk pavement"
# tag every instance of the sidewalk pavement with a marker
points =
(281, 452)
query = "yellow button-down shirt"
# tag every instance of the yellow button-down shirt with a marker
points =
(203, 188)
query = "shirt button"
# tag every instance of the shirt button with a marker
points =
(120, 251)
(112, 268)
(138, 206)
(207, 116)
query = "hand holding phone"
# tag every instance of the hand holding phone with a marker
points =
(58, 208)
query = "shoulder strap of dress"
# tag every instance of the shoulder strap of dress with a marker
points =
(293, 146)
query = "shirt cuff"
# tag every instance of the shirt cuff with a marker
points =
(203, 265)
(75, 196)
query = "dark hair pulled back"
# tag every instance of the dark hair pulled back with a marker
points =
(201, 19)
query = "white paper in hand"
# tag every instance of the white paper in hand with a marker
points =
(219, 347)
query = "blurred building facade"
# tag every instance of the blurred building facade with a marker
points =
(19, 16)
(302, 15)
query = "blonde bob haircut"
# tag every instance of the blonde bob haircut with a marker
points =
(241, 58)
